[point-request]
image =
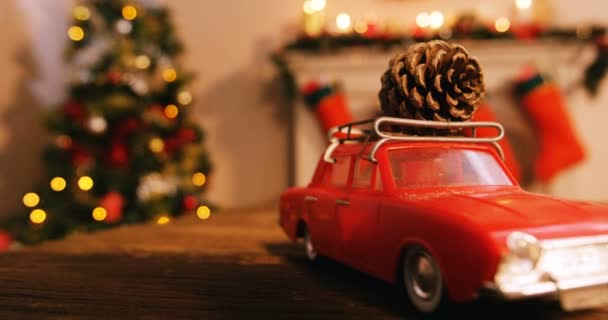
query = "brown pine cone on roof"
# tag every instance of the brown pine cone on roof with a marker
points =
(432, 81)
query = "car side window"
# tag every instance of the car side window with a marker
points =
(339, 172)
(363, 173)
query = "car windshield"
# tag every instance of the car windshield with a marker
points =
(443, 167)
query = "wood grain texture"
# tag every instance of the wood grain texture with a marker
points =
(235, 265)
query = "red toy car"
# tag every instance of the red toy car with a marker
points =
(442, 217)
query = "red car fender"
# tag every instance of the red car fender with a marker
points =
(449, 239)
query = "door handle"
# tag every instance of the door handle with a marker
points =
(310, 198)
(342, 202)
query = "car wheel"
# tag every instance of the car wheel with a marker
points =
(422, 280)
(309, 247)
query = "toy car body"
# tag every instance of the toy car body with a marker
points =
(442, 217)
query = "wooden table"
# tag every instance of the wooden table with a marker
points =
(234, 265)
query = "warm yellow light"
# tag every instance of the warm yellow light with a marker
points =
(169, 75)
(142, 62)
(171, 111)
(317, 5)
(163, 220)
(76, 33)
(184, 97)
(436, 20)
(502, 24)
(129, 12)
(343, 21)
(37, 216)
(99, 214)
(31, 199)
(523, 4)
(203, 212)
(199, 179)
(85, 183)
(81, 13)
(361, 27)
(156, 145)
(58, 184)
(307, 7)
(423, 20)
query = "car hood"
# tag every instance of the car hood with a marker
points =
(502, 211)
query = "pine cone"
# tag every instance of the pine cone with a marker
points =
(432, 81)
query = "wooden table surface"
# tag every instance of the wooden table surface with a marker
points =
(235, 265)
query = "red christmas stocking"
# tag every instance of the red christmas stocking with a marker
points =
(485, 113)
(328, 103)
(544, 103)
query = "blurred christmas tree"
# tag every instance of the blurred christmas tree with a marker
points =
(123, 148)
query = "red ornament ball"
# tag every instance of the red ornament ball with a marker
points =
(190, 202)
(113, 77)
(75, 111)
(114, 203)
(119, 155)
(5, 240)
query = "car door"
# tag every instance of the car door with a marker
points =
(357, 215)
(321, 205)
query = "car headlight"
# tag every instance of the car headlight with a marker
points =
(519, 264)
(524, 246)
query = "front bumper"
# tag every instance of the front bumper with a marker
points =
(575, 293)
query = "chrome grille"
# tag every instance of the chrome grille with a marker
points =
(570, 262)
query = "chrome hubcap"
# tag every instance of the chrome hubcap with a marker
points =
(424, 276)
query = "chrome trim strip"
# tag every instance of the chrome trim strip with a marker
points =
(573, 242)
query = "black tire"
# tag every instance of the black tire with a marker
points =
(422, 283)
(309, 248)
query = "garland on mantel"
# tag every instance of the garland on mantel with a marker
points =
(328, 43)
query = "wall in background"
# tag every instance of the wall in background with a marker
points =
(227, 44)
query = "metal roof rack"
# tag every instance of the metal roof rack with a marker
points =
(369, 130)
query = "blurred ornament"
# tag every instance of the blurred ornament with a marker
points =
(113, 203)
(58, 184)
(129, 12)
(97, 124)
(126, 128)
(85, 183)
(81, 13)
(198, 179)
(5, 240)
(203, 212)
(155, 115)
(343, 23)
(31, 199)
(74, 110)
(63, 141)
(155, 185)
(184, 97)
(120, 101)
(119, 154)
(80, 156)
(156, 145)
(142, 61)
(99, 214)
(37, 216)
(189, 202)
(171, 111)
(123, 26)
(138, 85)
(75, 33)
(169, 74)
(114, 77)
